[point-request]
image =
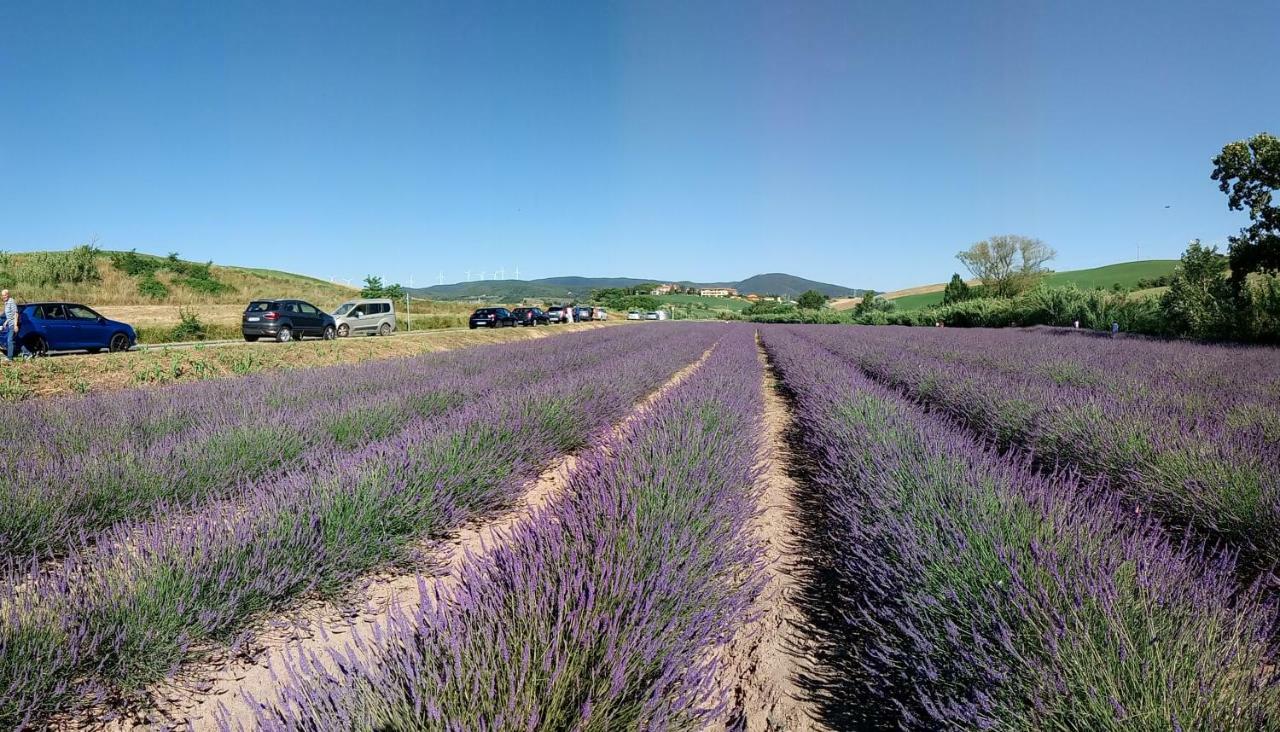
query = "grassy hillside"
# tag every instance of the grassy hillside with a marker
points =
(114, 287)
(696, 306)
(558, 288)
(1125, 274)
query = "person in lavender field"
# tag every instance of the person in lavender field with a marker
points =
(9, 328)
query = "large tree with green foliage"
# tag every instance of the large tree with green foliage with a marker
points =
(1008, 264)
(1199, 302)
(1248, 171)
(811, 300)
(957, 290)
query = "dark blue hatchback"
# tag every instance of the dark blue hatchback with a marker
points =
(68, 326)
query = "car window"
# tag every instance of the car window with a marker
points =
(308, 309)
(54, 312)
(259, 306)
(378, 308)
(80, 312)
(289, 307)
(342, 309)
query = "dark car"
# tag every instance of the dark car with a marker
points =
(68, 326)
(583, 313)
(492, 318)
(286, 320)
(531, 316)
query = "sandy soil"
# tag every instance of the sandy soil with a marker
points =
(195, 698)
(845, 303)
(763, 661)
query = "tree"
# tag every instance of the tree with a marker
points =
(1199, 302)
(1008, 264)
(811, 300)
(957, 290)
(1248, 171)
(373, 287)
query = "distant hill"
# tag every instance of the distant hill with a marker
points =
(1124, 274)
(775, 283)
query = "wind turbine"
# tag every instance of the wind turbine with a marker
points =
(440, 280)
(468, 275)
(517, 271)
(501, 273)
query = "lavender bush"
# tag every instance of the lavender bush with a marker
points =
(149, 595)
(1195, 441)
(84, 464)
(601, 610)
(975, 592)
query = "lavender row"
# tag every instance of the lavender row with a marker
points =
(113, 620)
(1224, 483)
(975, 592)
(601, 611)
(251, 431)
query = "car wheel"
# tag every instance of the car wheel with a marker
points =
(384, 329)
(284, 335)
(119, 342)
(38, 345)
(344, 330)
(472, 326)
(330, 333)
(251, 339)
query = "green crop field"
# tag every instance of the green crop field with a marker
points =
(1125, 274)
(697, 306)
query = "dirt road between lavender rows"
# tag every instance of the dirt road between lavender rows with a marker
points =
(764, 661)
(199, 694)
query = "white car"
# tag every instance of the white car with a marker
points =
(652, 315)
(635, 315)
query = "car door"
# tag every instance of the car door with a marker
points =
(358, 318)
(315, 321)
(59, 332)
(89, 332)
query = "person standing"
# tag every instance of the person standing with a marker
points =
(10, 327)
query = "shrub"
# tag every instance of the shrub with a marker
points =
(77, 266)
(152, 288)
(134, 264)
(190, 328)
(1261, 302)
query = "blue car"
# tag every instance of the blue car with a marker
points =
(68, 326)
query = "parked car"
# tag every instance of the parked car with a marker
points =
(635, 315)
(68, 326)
(556, 314)
(286, 320)
(491, 318)
(582, 313)
(365, 317)
(600, 314)
(651, 315)
(531, 316)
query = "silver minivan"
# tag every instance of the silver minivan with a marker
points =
(365, 317)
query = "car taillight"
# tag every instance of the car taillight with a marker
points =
(492, 316)
(271, 316)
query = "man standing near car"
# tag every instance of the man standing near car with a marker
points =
(10, 327)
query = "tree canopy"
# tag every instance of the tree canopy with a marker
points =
(811, 300)
(957, 290)
(1008, 264)
(373, 287)
(1248, 171)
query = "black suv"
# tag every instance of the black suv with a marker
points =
(491, 318)
(286, 320)
(531, 316)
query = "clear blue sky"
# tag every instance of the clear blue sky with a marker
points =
(856, 143)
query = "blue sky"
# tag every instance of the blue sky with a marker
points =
(856, 143)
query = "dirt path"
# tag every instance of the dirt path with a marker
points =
(196, 698)
(764, 660)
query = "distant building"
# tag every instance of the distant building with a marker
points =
(718, 292)
(664, 289)
(753, 297)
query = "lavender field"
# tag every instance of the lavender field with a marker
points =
(990, 530)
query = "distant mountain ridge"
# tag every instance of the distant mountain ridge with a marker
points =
(773, 283)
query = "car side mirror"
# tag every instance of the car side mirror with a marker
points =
(102, 320)
(357, 314)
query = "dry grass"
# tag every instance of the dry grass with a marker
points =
(63, 375)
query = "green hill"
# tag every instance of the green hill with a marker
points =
(1125, 274)
(557, 288)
